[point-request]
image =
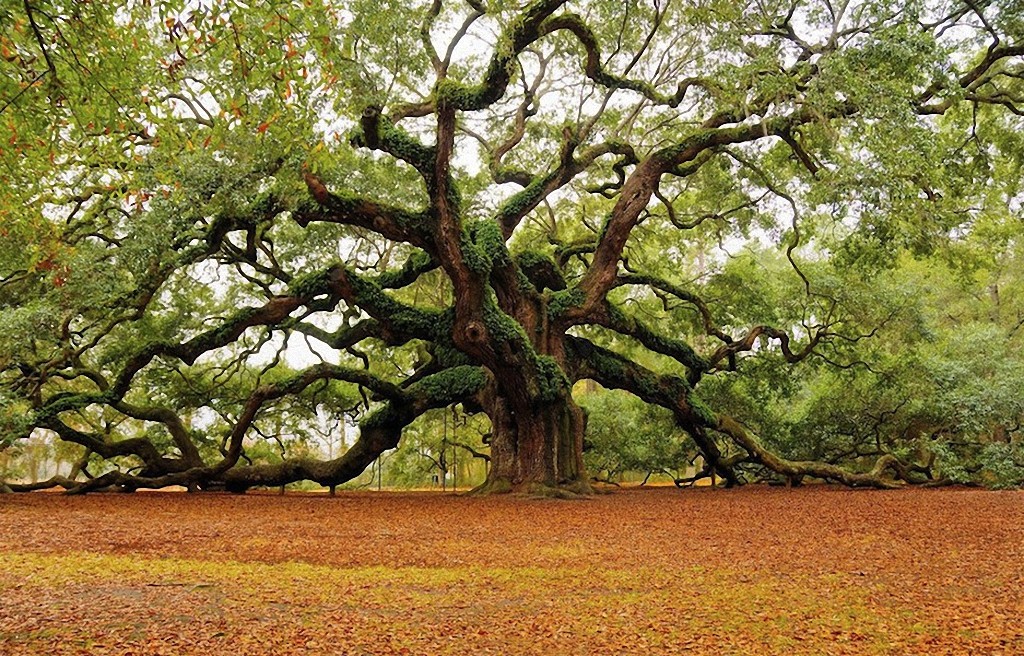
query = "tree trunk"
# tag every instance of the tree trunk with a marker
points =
(537, 449)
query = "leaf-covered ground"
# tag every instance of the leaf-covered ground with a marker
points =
(664, 571)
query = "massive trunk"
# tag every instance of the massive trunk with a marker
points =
(536, 449)
(536, 426)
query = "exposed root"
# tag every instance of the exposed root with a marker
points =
(572, 490)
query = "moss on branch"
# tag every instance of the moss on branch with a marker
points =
(449, 386)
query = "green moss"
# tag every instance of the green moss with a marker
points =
(701, 409)
(450, 385)
(561, 302)
(448, 355)
(417, 263)
(500, 326)
(309, 285)
(444, 350)
(524, 284)
(530, 259)
(68, 403)
(399, 143)
(646, 385)
(677, 387)
(487, 236)
(675, 348)
(609, 369)
(482, 246)
(404, 318)
(552, 381)
(390, 415)
(475, 258)
(523, 201)
(540, 270)
(451, 93)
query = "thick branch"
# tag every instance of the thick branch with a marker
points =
(799, 468)
(393, 223)
(614, 319)
(672, 392)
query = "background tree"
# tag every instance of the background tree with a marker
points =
(217, 216)
(625, 434)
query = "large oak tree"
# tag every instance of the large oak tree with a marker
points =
(458, 202)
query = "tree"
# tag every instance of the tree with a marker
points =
(626, 435)
(192, 191)
(937, 383)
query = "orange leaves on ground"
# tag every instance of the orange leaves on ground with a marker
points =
(664, 571)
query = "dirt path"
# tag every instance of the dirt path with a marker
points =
(753, 571)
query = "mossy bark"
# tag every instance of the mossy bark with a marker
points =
(536, 449)
(537, 440)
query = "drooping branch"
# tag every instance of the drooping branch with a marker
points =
(171, 421)
(796, 469)
(672, 392)
(139, 447)
(336, 283)
(379, 432)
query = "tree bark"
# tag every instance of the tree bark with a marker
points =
(536, 426)
(537, 450)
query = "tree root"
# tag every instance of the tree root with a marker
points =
(571, 490)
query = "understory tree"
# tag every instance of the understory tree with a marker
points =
(231, 226)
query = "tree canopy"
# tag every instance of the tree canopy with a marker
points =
(794, 226)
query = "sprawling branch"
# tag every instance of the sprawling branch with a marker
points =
(746, 343)
(796, 469)
(379, 431)
(672, 392)
(640, 186)
(615, 319)
(710, 327)
(520, 34)
(595, 70)
(969, 81)
(539, 188)
(393, 223)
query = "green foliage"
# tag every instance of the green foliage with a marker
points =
(933, 376)
(187, 189)
(625, 434)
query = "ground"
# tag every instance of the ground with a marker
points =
(815, 570)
